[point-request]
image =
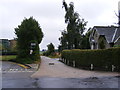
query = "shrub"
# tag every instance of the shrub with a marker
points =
(47, 53)
(50, 51)
(99, 58)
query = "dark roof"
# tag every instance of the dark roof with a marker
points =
(111, 33)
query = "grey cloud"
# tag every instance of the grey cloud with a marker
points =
(50, 15)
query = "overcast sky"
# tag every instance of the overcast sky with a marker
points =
(50, 15)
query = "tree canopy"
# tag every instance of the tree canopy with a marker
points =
(51, 48)
(85, 44)
(27, 33)
(50, 51)
(71, 37)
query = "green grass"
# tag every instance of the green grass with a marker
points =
(54, 56)
(41, 52)
(7, 57)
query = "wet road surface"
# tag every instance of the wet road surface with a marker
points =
(17, 80)
(78, 82)
(15, 76)
(35, 79)
(23, 80)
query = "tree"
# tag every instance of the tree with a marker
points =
(51, 48)
(85, 44)
(63, 41)
(71, 38)
(29, 36)
(50, 51)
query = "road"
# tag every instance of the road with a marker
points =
(54, 74)
(15, 76)
(9, 66)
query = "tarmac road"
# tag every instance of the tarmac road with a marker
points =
(9, 66)
(23, 80)
(15, 76)
(46, 77)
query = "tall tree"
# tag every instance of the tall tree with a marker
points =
(71, 38)
(50, 51)
(29, 36)
(51, 48)
(63, 41)
(85, 44)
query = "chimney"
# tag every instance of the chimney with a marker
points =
(119, 13)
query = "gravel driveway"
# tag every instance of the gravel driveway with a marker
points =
(53, 68)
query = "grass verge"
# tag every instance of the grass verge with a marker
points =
(57, 56)
(7, 57)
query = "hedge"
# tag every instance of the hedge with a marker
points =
(102, 58)
(9, 53)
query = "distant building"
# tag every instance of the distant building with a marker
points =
(7, 45)
(13, 44)
(103, 37)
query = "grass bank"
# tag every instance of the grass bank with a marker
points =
(7, 57)
(57, 56)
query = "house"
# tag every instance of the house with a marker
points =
(103, 37)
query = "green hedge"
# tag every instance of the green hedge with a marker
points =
(103, 58)
(9, 53)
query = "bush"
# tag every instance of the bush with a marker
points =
(99, 58)
(47, 53)
(24, 58)
(50, 51)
